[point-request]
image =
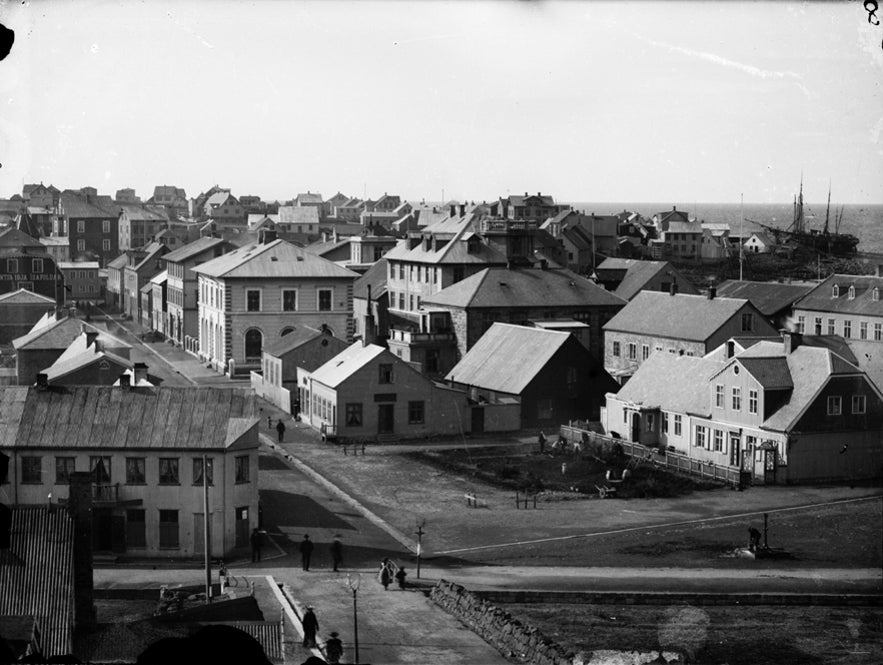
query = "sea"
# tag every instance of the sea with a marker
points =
(864, 221)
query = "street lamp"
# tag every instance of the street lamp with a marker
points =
(420, 533)
(352, 583)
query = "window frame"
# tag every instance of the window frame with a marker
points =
(131, 477)
(172, 476)
(248, 300)
(835, 405)
(197, 471)
(353, 414)
(752, 401)
(63, 478)
(242, 470)
(31, 469)
(736, 398)
(859, 405)
(320, 291)
(416, 412)
(165, 529)
(285, 294)
(385, 373)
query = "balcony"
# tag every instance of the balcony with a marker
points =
(507, 225)
(413, 338)
(108, 494)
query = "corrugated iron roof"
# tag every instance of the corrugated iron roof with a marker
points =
(59, 334)
(275, 259)
(293, 340)
(768, 297)
(507, 357)
(347, 362)
(36, 575)
(821, 298)
(375, 277)
(652, 385)
(191, 249)
(108, 417)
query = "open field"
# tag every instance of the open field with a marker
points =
(756, 635)
(403, 491)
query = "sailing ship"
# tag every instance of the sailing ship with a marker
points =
(824, 241)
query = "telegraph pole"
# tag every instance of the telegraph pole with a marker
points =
(205, 530)
(420, 533)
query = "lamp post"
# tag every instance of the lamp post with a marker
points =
(352, 583)
(420, 533)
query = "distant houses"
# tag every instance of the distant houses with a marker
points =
(846, 305)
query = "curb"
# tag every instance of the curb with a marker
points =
(314, 475)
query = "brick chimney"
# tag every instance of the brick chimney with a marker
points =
(42, 382)
(711, 293)
(80, 510)
(140, 373)
(125, 382)
(368, 323)
(673, 289)
(791, 340)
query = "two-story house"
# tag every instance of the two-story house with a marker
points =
(628, 277)
(774, 300)
(255, 294)
(148, 449)
(141, 266)
(25, 264)
(846, 305)
(183, 288)
(91, 223)
(539, 207)
(678, 324)
(138, 225)
(782, 411)
(173, 199)
(81, 282)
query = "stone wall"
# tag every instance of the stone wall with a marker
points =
(507, 634)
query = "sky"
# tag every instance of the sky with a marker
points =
(586, 101)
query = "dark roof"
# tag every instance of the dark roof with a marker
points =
(76, 206)
(193, 248)
(635, 274)
(375, 276)
(294, 339)
(821, 298)
(768, 297)
(135, 211)
(113, 417)
(771, 373)
(681, 316)
(36, 575)
(527, 287)
(59, 334)
(12, 237)
(508, 357)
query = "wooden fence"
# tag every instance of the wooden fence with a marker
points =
(599, 445)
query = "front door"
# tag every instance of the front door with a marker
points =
(769, 467)
(636, 427)
(478, 420)
(243, 533)
(198, 534)
(118, 533)
(735, 441)
(385, 418)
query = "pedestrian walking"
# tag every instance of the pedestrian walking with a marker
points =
(280, 430)
(753, 539)
(310, 625)
(385, 574)
(542, 441)
(400, 577)
(256, 544)
(306, 551)
(336, 553)
(333, 649)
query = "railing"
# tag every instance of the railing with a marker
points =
(507, 225)
(674, 461)
(409, 337)
(106, 492)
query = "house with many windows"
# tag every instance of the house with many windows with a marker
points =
(91, 223)
(81, 282)
(676, 324)
(256, 294)
(147, 491)
(782, 411)
(141, 266)
(775, 300)
(139, 224)
(365, 392)
(847, 305)
(20, 310)
(628, 277)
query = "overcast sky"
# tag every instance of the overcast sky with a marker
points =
(587, 101)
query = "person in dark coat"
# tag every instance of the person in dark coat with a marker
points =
(256, 544)
(336, 553)
(280, 429)
(385, 574)
(310, 625)
(306, 551)
(333, 648)
(400, 577)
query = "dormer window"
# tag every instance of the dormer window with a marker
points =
(835, 291)
(851, 295)
(875, 294)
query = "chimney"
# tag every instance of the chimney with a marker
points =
(879, 271)
(731, 349)
(80, 510)
(673, 289)
(91, 335)
(368, 322)
(125, 382)
(139, 372)
(462, 209)
(266, 236)
(791, 340)
(453, 210)
(711, 293)
(42, 382)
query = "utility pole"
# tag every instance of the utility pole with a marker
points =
(353, 585)
(420, 533)
(205, 530)
(741, 237)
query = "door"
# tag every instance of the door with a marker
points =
(734, 449)
(118, 533)
(242, 531)
(101, 530)
(385, 418)
(636, 427)
(769, 467)
(198, 534)
(478, 420)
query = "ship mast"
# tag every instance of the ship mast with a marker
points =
(828, 209)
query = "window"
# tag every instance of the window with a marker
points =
(324, 296)
(105, 245)
(678, 424)
(168, 471)
(385, 373)
(719, 396)
(801, 324)
(863, 330)
(747, 322)
(252, 300)
(878, 332)
(633, 351)
(136, 528)
(664, 422)
(416, 412)
(851, 293)
(835, 291)
(616, 349)
(718, 441)
(650, 422)
(645, 352)
(875, 294)
(700, 436)
(831, 326)
(752, 401)
(834, 405)
(38, 265)
(354, 414)
(31, 468)
(64, 467)
(81, 245)
(737, 399)
(818, 325)
(168, 529)
(100, 467)
(135, 474)
(105, 226)
(12, 265)
(241, 464)
(847, 329)
(858, 404)
(81, 226)
(197, 470)
(289, 300)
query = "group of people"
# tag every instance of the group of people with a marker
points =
(385, 575)
(333, 645)
(305, 548)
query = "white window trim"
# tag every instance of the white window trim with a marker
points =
(320, 289)
(282, 300)
(247, 292)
